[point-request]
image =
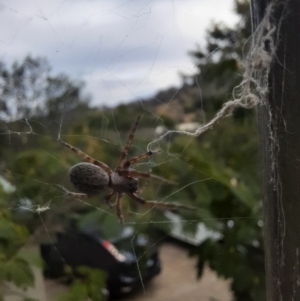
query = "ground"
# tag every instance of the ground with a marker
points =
(177, 281)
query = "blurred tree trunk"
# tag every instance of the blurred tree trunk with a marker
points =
(279, 125)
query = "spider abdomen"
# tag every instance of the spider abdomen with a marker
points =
(88, 178)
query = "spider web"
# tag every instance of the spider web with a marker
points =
(123, 78)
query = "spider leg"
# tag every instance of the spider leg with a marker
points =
(119, 208)
(159, 204)
(138, 158)
(136, 174)
(79, 195)
(108, 198)
(86, 157)
(74, 194)
(127, 146)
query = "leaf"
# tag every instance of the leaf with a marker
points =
(89, 286)
(31, 256)
(77, 292)
(18, 271)
(12, 231)
(7, 229)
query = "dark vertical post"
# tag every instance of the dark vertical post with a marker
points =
(279, 125)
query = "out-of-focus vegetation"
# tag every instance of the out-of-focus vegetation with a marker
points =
(225, 158)
(231, 151)
(233, 147)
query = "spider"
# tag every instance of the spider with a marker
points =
(92, 177)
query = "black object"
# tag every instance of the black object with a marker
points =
(117, 251)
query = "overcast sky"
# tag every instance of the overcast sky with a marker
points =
(123, 50)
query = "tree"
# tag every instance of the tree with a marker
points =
(28, 90)
(21, 87)
(232, 159)
(219, 64)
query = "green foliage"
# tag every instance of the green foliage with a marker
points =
(222, 164)
(88, 285)
(220, 63)
(24, 159)
(14, 268)
(229, 154)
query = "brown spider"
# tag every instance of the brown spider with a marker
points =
(93, 177)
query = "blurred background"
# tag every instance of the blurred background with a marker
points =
(82, 71)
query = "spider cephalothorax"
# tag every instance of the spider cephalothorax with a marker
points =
(122, 184)
(93, 176)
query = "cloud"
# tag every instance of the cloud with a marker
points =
(122, 49)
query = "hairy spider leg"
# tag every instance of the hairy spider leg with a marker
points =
(127, 146)
(119, 208)
(87, 158)
(108, 198)
(136, 174)
(138, 158)
(159, 204)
